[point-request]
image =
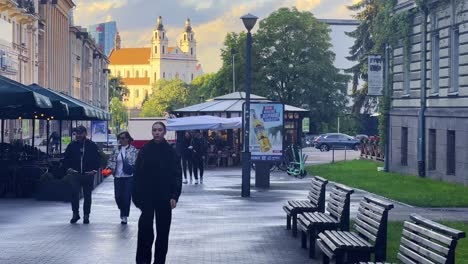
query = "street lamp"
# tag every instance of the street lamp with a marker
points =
(233, 53)
(249, 21)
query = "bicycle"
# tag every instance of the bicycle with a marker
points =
(296, 167)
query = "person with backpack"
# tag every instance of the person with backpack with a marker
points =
(199, 145)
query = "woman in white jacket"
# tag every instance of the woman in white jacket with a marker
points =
(122, 164)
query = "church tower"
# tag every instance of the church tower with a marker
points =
(160, 41)
(187, 43)
(117, 41)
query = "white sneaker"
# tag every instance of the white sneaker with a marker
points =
(185, 181)
(196, 181)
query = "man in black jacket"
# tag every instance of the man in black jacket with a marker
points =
(156, 190)
(82, 163)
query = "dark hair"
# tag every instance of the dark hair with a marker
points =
(127, 135)
(159, 123)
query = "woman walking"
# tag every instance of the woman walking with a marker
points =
(199, 152)
(158, 184)
(122, 163)
(187, 162)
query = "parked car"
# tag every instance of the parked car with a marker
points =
(308, 140)
(336, 141)
(360, 137)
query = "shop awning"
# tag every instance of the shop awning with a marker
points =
(230, 103)
(18, 100)
(205, 122)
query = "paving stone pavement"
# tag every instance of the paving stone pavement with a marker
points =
(212, 224)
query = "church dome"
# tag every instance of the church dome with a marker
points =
(188, 26)
(159, 24)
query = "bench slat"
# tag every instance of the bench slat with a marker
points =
(333, 212)
(358, 239)
(368, 220)
(375, 217)
(326, 240)
(336, 239)
(365, 233)
(433, 235)
(413, 255)
(405, 260)
(423, 251)
(380, 203)
(338, 198)
(374, 231)
(438, 227)
(425, 242)
(372, 207)
(344, 239)
(325, 249)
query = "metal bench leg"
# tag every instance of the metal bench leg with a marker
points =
(288, 222)
(303, 239)
(326, 259)
(294, 225)
(312, 244)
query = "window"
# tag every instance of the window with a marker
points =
(155, 76)
(404, 146)
(185, 37)
(163, 35)
(455, 53)
(451, 152)
(164, 75)
(407, 71)
(164, 50)
(432, 150)
(435, 43)
(192, 76)
(128, 74)
(146, 74)
(119, 74)
(155, 49)
(156, 35)
(191, 51)
(137, 93)
(137, 74)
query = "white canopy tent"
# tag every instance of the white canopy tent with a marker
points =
(205, 122)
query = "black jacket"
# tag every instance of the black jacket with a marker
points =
(77, 152)
(199, 147)
(158, 176)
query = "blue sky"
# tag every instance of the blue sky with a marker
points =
(211, 19)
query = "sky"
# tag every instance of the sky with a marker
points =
(211, 19)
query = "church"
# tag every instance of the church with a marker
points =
(140, 68)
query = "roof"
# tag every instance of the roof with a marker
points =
(170, 49)
(136, 81)
(231, 103)
(340, 22)
(130, 56)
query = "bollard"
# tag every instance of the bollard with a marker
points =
(345, 148)
(333, 154)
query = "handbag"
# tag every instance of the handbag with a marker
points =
(126, 167)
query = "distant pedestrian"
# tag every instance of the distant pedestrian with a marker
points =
(54, 140)
(199, 153)
(122, 163)
(156, 190)
(187, 162)
(81, 161)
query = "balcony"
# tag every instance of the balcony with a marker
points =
(23, 10)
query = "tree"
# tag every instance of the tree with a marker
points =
(119, 114)
(294, 65)
(116, 88)
(166, 96)
(204, 86)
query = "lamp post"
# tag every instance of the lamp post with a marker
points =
(233, 53)
(249, 21)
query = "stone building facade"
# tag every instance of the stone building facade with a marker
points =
(429, 111)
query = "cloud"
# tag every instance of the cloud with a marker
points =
(90, 11)
(199, 5)
(307, 5)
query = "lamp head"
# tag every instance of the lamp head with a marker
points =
(249, 21)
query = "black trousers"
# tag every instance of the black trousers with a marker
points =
(187, 163)
(198, 166)
(78, 182)
(163, 212)
(123, 194)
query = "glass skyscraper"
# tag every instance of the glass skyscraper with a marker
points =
(104, 34)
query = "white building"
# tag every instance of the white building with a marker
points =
(140, 68)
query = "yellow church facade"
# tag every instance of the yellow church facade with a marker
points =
(140, 68)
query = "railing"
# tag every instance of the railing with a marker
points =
(372, 151)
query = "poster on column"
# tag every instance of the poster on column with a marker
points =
(99, 131)
(266, 131)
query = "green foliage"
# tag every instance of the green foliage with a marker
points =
(409, 189)
(204, 86)
(119, 114)
(166, 97)
(116, 88)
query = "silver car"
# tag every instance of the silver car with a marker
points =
(329, 141)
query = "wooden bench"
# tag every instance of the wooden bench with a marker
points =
(425, 241)
(370, 235)
(315, 203)
(338, 207)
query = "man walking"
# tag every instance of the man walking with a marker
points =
(82, 163)
(199, 153)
